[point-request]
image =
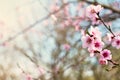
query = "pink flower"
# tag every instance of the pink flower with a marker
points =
(103, 61)
(116, 42)
(66, 47)
(96, 47)
(93, 10)
(87, 41)
(94, 31)
(109, 38)
(28, 77)
(106, 54)
(92, 13)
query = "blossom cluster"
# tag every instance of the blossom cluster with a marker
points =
(114, 40)
(92, 40)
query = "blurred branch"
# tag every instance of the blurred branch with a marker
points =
(103, 5)
(76, 64)
(110, 17)
(30, 45)
(33, 25)
(26, 55)
(51, 13)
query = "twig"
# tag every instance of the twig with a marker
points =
(103, 5)
(108, 27)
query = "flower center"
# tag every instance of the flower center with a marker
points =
(97, 44)
(118, 42)
(105, 54)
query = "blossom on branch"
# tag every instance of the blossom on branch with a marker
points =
(87, 41)
(92, 12)
(116, 42)
(106, 54)
(95, 32)
(98, 45)
(103, 61)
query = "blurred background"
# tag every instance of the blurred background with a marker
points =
(42, 39)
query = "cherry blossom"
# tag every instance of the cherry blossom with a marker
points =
(98, 45)
(94, 31)
(93, 10)
(87, 41)
(66, 47)
(103, 61)
(106, 54)
(116, 42)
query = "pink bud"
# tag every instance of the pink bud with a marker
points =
(66, 47)
(103, 61)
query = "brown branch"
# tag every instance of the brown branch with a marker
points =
(103, 5)
(26, 55)
(108, 27)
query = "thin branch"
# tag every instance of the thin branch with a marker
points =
(33, 25)
(103, 5)
(108, 27)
